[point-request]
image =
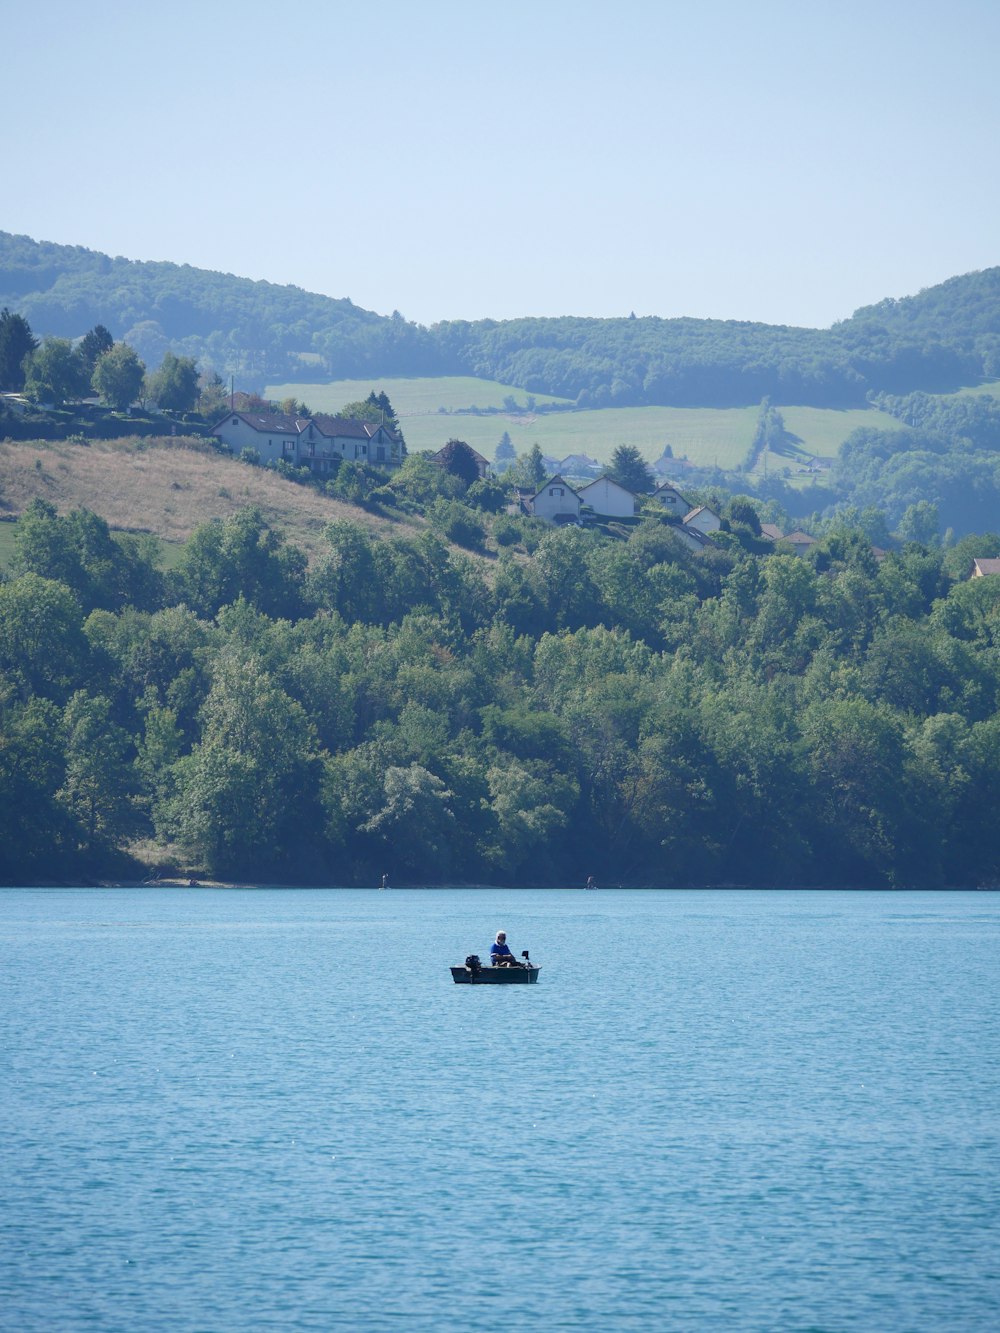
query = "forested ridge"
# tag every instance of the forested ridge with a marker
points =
(944, 337)
(583, 704)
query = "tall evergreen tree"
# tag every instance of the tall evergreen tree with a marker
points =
(630, 469)
(93, 345)
(16, 342)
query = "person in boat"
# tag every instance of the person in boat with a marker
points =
(500, 954)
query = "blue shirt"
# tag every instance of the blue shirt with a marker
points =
(499, 950)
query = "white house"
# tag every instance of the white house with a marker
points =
(274, 435)
(325, 438)
(670, 499)
(693, 537)
(606, 497)
(556, 502)
(704, 519)
(313, 442)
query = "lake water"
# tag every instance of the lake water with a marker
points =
(272, 1109)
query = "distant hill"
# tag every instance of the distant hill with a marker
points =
(940, 339)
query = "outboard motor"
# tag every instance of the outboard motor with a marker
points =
(527, 960)
(474, 965)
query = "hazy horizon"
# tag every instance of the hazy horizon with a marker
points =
(779, 165)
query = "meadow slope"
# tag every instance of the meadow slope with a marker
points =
(168, 489)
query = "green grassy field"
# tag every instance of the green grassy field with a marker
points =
(822, 430)
(992, 388)
(409, 397)
(705, 435)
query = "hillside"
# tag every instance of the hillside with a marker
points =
(940, 339)
(169, 488)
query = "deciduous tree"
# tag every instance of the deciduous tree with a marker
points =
(118, 376)
(175, 385)
(55, 373)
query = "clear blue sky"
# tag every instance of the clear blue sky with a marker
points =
(786, 162)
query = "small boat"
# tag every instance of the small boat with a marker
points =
(474, 974)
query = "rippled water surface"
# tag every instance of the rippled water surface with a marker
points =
(273, 1109)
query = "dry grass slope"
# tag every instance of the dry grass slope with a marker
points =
(169, 487)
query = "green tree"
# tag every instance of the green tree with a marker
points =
(458, 523)
(16, 343)
(343, 578)
(530, 470)
(630, 469)
(241, 557)
(42, 645)
(92, 347)
(79, 550)
(243, 796)
(55, 373)
(414, 822)
(97, 790)
(743, 511)
(920, 523)
(457, 458)
(505, 453)
(174, 386)
(33, 825)
(377, 409)
(854, 757)
(118, 376)
(213, 395)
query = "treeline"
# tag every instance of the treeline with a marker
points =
(944, 337)
(56, 371)
(621, 708)
(950, 460)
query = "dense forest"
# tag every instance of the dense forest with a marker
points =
(581, 703)
(939, 339)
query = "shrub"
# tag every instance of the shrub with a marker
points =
(457, 523)
(506, 530)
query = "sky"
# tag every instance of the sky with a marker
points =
(759, 160)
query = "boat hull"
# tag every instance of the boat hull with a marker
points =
(495, 976)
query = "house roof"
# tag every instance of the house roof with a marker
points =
(578, 461)
(699, 509)
(668, 486)
(280, 423)
(268, 423)
(986, 565)
(611, 482)
(554, 481)
(694, 535)
(346, 427)
(799, 538)
(771, 531)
